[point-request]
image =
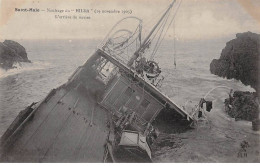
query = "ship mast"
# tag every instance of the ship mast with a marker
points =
(137, 53)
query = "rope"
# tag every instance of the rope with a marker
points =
(169, 26)
(174, 45)
(149, 22)
(154, 35)
(157, 43)
(135, 32)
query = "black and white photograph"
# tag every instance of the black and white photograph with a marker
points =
(129, 81)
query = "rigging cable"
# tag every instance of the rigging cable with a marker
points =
(167, 29)
(174, 45)
(169, 25)
(160, 35)
(157, 31)
(151, 21)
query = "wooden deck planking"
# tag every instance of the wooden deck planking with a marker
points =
(70, 137)
(42, 138)
(57, 134)
(100, 117)
(98, 147)
(88, 132)
(92, 148)
(39, 116)
(64, 145)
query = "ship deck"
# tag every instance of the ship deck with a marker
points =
(156, 92)
(69, 127)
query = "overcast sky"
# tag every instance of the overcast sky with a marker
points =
(196, 19)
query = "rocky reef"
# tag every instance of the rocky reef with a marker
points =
(240, 60)
(242, 105)
(11, 52)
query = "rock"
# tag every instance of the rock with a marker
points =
(256, 124)
(243, 106)
(19, 49)
(11, 52)
(240, 60)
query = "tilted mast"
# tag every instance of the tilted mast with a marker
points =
(136, 54)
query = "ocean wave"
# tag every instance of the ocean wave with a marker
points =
(22, 67)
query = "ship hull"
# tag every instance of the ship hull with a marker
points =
(68, 127)
(73, 122)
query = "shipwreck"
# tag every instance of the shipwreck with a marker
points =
(104, 113)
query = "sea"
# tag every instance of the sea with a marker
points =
(53, 61)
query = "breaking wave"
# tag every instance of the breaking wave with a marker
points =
(22, 67)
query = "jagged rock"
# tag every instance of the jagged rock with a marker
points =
(19, 49)
(242, 105)
(240, 60)
(11, 52)
(256, 124)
